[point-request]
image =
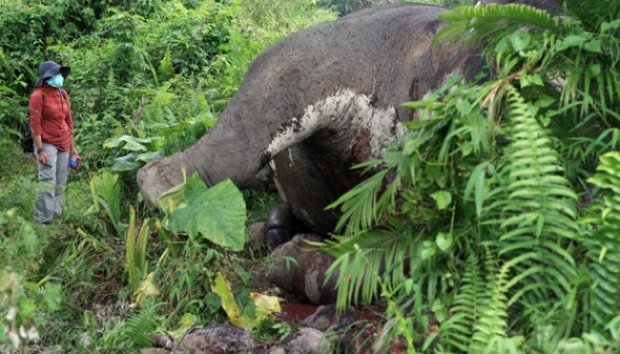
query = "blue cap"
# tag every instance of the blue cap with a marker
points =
(51, 69)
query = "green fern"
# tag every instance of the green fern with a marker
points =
(133, 333)
(458, 329)
(165, 70)
(491, 323)
(535, 210)
(604, 246)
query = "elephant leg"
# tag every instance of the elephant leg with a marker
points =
(302, 270)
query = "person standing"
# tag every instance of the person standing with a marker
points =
(51, 122)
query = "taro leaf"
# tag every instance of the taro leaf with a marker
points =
(265, 305)
(135, 146)
(133, 161)
(177, 197)
(131, 143)
(126, 163)
(148, 156)
(217, 213)
(606, 26)
(593, 46)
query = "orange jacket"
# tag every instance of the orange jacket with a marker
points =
(50, 116)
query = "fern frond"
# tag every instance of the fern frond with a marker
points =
(133, 333)
(604, 246)
(492, 319)
(458, 330)
(537, 216)
(491, 22)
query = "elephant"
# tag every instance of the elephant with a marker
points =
(318, 102)
(312, 106)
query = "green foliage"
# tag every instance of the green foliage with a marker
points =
(135, 252)
(133, 333)
(106, 194)
(535, 208)
(21, 299)
(217, 213)
(347, 6)
(140, 151)
(603, 245)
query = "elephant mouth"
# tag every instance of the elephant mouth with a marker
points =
(349, 115)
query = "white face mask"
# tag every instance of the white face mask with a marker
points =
(56, 81)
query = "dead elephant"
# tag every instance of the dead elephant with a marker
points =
(319, 102)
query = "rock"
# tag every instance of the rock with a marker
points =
(215, 339)
(305, 276)
(326, 317)
(305, 341)
(153, 351)
(163, 340)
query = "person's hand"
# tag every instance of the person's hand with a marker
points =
(43, 158)
(73, 152)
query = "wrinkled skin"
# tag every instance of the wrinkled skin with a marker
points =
(319, 102)
(368, 62)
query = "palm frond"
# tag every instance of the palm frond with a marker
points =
(359, 205)
(366, 262)
(593, 12)
(490, 22)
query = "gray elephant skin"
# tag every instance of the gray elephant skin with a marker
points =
(317, 103)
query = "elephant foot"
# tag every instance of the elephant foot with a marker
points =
(300, 269)
(277, 230)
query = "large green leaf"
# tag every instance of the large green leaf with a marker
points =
(217, 213)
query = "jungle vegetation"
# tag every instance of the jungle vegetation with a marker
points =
(491, 227)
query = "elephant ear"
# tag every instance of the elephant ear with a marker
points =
(217, 213)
